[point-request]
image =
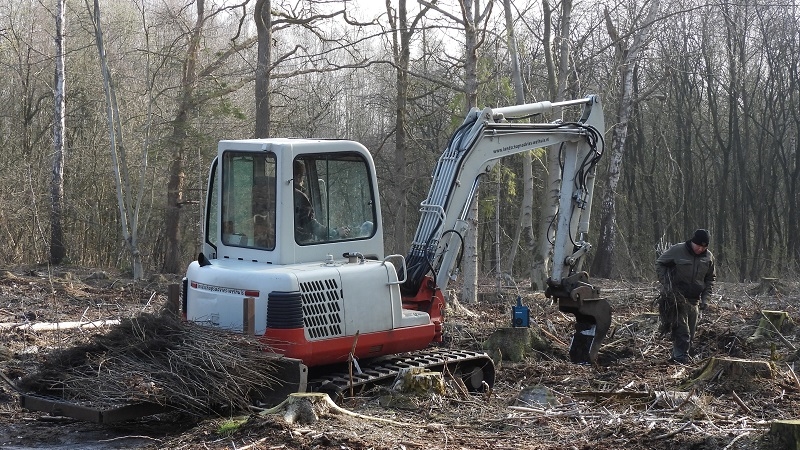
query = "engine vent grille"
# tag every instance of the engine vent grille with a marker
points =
(322, 308)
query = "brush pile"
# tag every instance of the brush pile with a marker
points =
(158, 358)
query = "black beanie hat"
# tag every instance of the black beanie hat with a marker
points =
(701, 237)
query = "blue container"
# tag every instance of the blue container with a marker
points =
(520, 315)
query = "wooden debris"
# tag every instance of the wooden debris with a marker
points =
(55, 326)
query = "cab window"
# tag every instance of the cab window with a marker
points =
(248, 200)
(333, 198)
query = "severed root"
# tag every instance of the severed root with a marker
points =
(308, 407)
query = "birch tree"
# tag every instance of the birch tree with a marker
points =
(129, 209)
(556, 55)
(524, 231)
(627, 50)
(57, 247)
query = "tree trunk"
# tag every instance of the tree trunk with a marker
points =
(524, 230)
(180, 126)
(469, 290)
(557, 80)
(128, 219)
(603, 264)
(402, 55)
(57, 246)
(263, 19)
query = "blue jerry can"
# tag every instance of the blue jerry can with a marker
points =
(520, 315)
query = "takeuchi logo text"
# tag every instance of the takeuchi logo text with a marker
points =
(221, 289)
(532, 143)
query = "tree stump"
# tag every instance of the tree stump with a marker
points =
(309, 407)
(787, 433)
(411, 385)
(305, 407)
(730, 374)
(418, 381)
(768, 286)
(512, 344)
(770, 323)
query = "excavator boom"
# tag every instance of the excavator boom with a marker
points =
(480, 142)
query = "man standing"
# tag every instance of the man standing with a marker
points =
(686, 273)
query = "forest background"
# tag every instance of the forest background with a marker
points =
(113, 109)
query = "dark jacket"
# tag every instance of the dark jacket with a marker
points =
(680, 269)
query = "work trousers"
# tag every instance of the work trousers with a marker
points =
(684, 328)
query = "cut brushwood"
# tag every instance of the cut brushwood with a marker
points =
(159, 359)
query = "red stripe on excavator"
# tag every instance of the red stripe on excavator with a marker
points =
(293, 344)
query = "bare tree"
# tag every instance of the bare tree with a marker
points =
(524, 230)
(57, 247)
(129, 209)
(310, 17)
(402, 31)
(556, 55)
(472, 21)
(627, 57)
(190, 97)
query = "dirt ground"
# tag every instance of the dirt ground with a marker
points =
(633, 399)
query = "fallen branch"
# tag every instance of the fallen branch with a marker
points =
(55, 326)
(739, 402)
(794, 376)
(730, 444)
(253, 445)
(553, 337)
(673, 433)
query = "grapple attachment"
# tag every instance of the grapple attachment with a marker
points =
(592, 315)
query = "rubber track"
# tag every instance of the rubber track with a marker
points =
(385, 369)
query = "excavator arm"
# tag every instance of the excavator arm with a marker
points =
(478, 144)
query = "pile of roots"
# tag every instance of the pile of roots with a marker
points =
(158, 358)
